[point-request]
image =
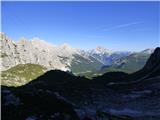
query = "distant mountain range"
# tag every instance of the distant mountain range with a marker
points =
(59, 95)
(90, 63)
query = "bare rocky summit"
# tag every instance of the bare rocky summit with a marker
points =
(35, 51)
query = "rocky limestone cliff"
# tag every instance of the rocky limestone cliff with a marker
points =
(34, 51)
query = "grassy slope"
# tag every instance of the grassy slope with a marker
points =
(21, 74)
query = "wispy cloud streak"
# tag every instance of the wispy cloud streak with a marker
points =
(122, 26)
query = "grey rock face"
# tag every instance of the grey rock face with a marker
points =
(34, 51)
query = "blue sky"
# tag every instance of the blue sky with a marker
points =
(114, 25)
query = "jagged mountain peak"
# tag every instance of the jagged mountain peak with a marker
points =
(23, 41)
(99, 48)
(41, 41)
(68, 48)
(102, 50)
(65, 46)
(42, 44)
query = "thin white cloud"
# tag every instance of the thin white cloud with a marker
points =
(122, 26)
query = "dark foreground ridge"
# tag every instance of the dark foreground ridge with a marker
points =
(58, 95)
